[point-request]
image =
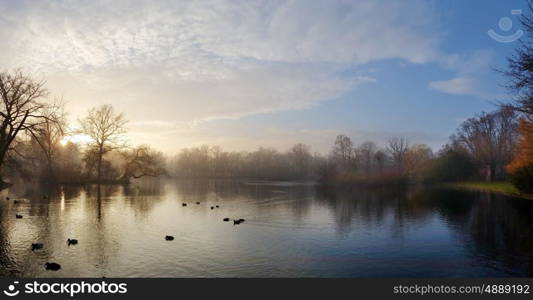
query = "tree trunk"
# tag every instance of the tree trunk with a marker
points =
(51, 172)
(3, 184)
(492, 172)
(99, 166)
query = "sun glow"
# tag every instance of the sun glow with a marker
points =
(75, 139)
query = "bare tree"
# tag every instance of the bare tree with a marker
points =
(520, 69)
(398, 149)
(416, 158)
(22, 108)
(380, 156)
(365, 156)
(48, 134)
(106, 129)
(143, 161)
(343, 149)
(300, 158)
(490, 139)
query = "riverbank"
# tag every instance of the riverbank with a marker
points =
(499, 187)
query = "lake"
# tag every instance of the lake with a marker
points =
(290, 230)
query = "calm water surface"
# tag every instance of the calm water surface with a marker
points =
(290, 230)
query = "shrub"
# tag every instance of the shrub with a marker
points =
(451, 165)
(522, 178)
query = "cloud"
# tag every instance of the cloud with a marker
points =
(192, 61)
(470, 70)
(456, 86)
(171, 65)
(473, 62)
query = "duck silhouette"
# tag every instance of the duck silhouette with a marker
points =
(52, 266)
(226, 219)
(7, 198)
(197, 202)
(169, 238)
(237, 222)
(212, 207)
(184, 204)
(36, 246)
(217, 206)
(18, 216)
(72, 242)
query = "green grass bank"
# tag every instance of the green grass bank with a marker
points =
(499, 187)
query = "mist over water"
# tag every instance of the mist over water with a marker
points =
(290, 230)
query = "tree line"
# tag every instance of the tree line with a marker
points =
(490, 146)
(520, 84)
(480, 149)
(33, 129)
(298, 163)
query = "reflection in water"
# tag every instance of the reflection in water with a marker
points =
(291, 230)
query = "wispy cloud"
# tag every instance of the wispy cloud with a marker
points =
(473, 62)
(469, 68)
(170, 64)
(457, 86)
(202, 60)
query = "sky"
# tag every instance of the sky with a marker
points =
(244, 74)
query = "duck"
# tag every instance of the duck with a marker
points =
(237, 222)
(7, 198)
(241, 220)
(197, 202)
(217, 206)
(36, 246)
(226, 219)
(16, 201)
(212, 207)
(52, 266)
(169, 238)
(184, 204)
(18, 216)
(72, 242)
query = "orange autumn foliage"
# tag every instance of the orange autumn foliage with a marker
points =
(524, 150)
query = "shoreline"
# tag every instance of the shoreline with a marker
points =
(497, 187)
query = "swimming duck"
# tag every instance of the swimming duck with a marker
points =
(7, 198)
(72, 242)
(52, 266)
(197, 202)
(36, 246)
(18, 216)
(217, 206)
(212, 207)
(184, 204)
(226, 219)
(169, 238)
